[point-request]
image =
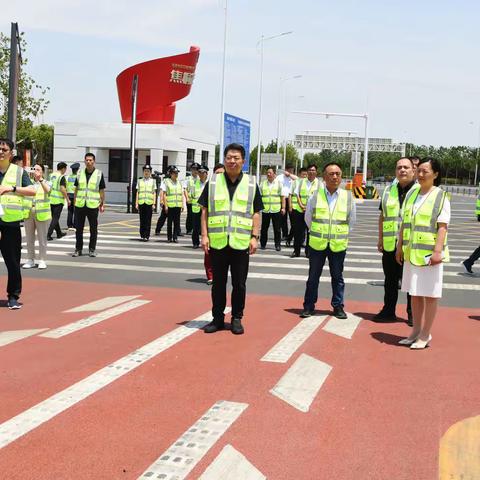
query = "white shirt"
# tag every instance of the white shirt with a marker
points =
(443, 217)
(163, 187)
(286, 182)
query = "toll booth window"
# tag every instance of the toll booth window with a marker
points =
(119, 165)
(190, 157)
(204, 157)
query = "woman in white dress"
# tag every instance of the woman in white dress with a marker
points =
(422, 245)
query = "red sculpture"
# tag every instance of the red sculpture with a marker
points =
(161, 83)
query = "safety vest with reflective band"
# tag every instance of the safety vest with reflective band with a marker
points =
(391, 216)
(88, 193)
(189, 187)
(305, 192)
(271, 196)
(293, 197)
(12, 202)
(420, 229)
(230, 221)
(330, 228)
(56, 195)
(146, 191)
(71, 183)
(196, 191)
(174, 193)
(477, 208)
(27, 203)
(41, 203)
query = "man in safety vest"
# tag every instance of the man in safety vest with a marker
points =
(144, 201)
(293, 207)
(329, 215)
(188, 185)
(231, 203)
(468, 263)
(195, 191)
(274, 208)
(172, 198)
(14, 185)
(58, 196)
(71, 193)
(388, 228)
(304, 190)
(287, 178)
(89, 200)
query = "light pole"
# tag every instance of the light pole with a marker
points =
(262, 40)
(222, 101)
(284, 95)
(351, 115)
(477, 155)
(285, 127)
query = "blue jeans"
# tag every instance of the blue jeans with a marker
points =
(317, 261)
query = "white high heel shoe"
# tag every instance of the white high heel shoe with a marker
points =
(421, 344)
(407, 341)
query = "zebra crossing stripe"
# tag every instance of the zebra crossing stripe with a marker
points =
(343, 327)
(102, 304)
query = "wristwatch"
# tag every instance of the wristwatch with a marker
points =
(256, 237)
(14, 189)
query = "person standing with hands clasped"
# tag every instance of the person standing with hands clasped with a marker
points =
(422, 247)
(172, 199)
(329, 215)
(231, 203)
(144, 201)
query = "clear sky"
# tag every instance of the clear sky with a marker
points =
(413, 65)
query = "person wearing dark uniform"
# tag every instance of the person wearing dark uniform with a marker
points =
(388, 228)
(14, 185)
(195, 191)
(71, 194)
(145, 199)
(231, 203)
(172, 195)
(58, 196)
(89, 200)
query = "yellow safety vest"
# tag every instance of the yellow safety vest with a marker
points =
(196, 191)
(71, 183)
(190, 185)
(293, 197)
(88, 194)
(271, 196)
(477, 207)
(420, 229)
(146, 191)
(330, 228)
(230, 222)
(56, 195)
(12, 202)
(174, 193)
(41, 203)
(305, 192)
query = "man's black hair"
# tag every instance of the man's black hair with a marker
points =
(312, 165)
(235, 146)
(329, 164)
(90, 154)
(8, 142)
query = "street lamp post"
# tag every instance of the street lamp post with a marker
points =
(283, 94)
(222, 102)
(262, 40)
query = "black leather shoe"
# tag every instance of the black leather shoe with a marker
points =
(306, 313)
(278, 248)
(61, 235)
(213, 327)
(294, 255)
(383, 316)
(237, 327)
(339, 312)
(50, 239)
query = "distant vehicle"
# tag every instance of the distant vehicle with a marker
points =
(379, 179)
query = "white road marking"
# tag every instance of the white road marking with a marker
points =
(293, 340)
(44, 411)
(102, 304)
(93, 319)
(302, 381)
(231, 465)
(14, 335)
(344, 328)
(182, 457)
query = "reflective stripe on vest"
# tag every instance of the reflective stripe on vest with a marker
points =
(197, 190)
(71, 183)
(12, 202)
(146, 191)
(56, 195)
(391, 217)
(330, 228)
(293, 197)
(420, 229)
(306, 192)
(190, 185)
(27, 203)
(88, 193)
(230, 222)
(174, 193)
(41, 203)
(271, 196)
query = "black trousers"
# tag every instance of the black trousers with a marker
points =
(188, 222)
(11, 249)
(473, 257)
(80, 215)
(299, 228)
(161, 220)
(55, 222)
(393, 275)
(145, 212)
(276, 219)
(173, 222)
(196, 226)
(71, 211)
(237, 261)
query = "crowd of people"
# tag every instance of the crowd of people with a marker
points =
(229, 215)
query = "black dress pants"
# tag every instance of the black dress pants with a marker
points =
(393, 275)
(196, 225)
(161, 220)
(473, 257)
(81, 213)
(299, 228)
(145, 211)
(55, 222)
(188, 222)
(173, 222)
(70, 215)
(276, 219)
(237, 261)
(11, 249)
